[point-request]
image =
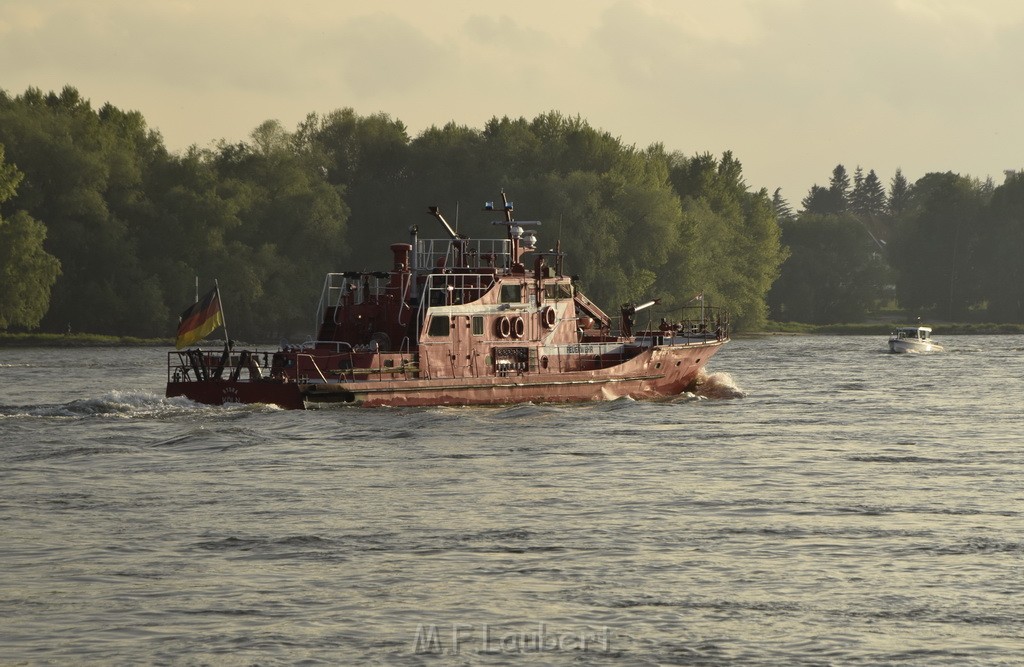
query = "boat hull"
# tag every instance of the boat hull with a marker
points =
(913, 346)
(656, 373)
(225, 392)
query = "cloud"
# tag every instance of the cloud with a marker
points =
(791, 87)
(379, 56)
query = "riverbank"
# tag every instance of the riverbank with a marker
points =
(773, 328)
(78, 340)
(885, 328)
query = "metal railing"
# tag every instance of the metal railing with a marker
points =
(431, 254)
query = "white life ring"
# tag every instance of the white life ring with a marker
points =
(518, 328)
(549, 317)
(504, 327)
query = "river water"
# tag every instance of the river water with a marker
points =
(822, 502)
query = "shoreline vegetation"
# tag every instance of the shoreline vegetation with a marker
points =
(78, 340)
(885, 328)
(772, 329)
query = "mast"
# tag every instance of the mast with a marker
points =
(223, 320)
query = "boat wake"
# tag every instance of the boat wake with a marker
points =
(719, 385)
(119, 404)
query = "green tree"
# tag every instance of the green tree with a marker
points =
(874, 194)
(367, 160)
(191, 233)
(27, 271)
(782, 209)
(832, 200)
(934, 247)
(858, 196)
(735, 250)
(590, 233)
(1001, 247)
(868, 197)
(819, 201)
(834, 272)
(839, 186)
(613, 211)
(84, 178)
(898, 200)
(291, 231)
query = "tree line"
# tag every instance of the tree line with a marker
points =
(103, 230)
(945, 247)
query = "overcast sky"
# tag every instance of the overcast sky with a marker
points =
(791, 87)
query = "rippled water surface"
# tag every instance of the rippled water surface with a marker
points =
(821, 502)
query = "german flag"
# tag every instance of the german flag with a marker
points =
(199, 319)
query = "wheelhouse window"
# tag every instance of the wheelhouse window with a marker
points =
(440, 325)
(558, 291)
(511, 293)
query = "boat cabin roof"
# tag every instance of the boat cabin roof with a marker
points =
(914, 332)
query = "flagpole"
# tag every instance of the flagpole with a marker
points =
(223, 320)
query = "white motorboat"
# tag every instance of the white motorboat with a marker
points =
(913, 339)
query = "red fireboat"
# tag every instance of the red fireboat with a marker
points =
(458, 321)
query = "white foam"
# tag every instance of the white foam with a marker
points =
(720, 385)
(118, 404)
